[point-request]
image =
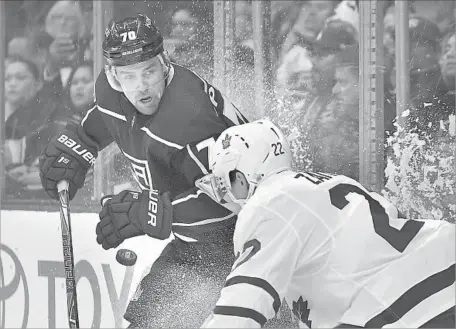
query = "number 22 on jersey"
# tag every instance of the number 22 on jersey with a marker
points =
(249, 249)
(399, 239)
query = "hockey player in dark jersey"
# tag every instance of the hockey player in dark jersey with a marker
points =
(164, 118)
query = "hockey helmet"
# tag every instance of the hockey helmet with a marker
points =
(257, 149)
(131, 40)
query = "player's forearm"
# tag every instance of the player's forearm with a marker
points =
(196, 216)
(96, 129)
(244, 303)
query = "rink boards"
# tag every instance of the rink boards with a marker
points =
(32, 285)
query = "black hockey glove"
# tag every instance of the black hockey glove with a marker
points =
(67, 157)
(129, 214)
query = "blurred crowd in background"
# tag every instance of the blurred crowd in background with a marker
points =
(49, 78)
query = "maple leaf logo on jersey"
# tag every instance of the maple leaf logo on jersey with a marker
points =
(301, 311)
(226, 142)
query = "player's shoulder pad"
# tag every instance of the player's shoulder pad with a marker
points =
(182, 71)
(269, 196)
(271, 207)
(283, 196)
(194, 81)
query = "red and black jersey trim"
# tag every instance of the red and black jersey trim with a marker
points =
(247, 312)
(412, 297)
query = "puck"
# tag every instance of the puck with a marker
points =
(126, 257)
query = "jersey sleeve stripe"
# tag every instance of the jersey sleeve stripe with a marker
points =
(186, 198)
(87, 115)
(198, 163)
(412, 297)
(206, 221)
(241, 312)
(260, 283)
(205, 227)
(111, 113)
(161, 140)
(184, 238)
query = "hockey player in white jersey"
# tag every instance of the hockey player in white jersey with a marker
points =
(336, 252)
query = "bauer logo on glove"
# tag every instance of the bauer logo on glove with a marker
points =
(153, 207)
(129, 214)
(77, 148)
(67, 157)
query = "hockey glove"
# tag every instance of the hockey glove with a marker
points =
(129, 214)
(67, 157)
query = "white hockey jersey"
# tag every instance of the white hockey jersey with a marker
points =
(338, 254)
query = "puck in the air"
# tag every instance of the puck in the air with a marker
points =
(126, 257)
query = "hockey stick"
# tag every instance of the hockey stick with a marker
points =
(68, 257)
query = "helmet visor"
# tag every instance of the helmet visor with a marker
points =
(213, 186)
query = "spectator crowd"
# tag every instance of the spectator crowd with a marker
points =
(49, 79)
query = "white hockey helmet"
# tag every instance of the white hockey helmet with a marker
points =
(257, 149)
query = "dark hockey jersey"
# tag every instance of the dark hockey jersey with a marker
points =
(169, 150)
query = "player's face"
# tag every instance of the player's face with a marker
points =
(231, 189)
(143, 84)
(240, 187)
